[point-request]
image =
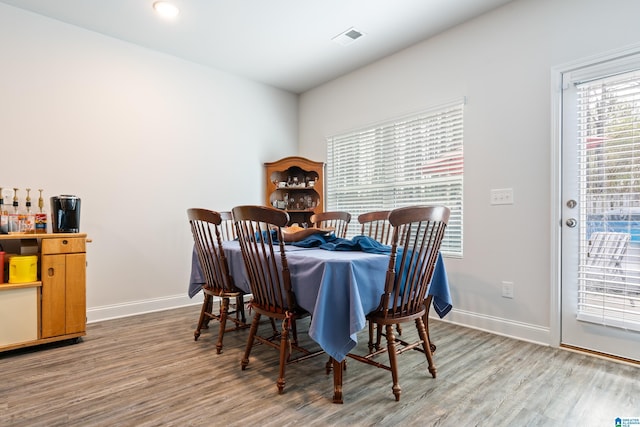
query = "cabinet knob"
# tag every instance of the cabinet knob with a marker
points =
(64, 242)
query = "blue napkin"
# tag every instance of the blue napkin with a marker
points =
(372, 246)
(358, 243)
(314, 241)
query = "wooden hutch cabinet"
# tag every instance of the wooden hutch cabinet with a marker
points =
(296, 185)
(52, 308)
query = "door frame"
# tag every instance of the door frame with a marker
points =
(555, 252)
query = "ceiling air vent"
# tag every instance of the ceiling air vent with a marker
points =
(348, 36)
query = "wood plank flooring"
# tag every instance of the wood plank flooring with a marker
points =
(148, 371)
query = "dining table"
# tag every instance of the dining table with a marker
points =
(339, 287)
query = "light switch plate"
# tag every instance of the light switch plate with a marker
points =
(507, 289)
(501, 196)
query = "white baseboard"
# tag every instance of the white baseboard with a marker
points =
(106, 312)
(496, 325)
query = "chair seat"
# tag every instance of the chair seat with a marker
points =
(216, 292)
(277, 312)
(394, 318)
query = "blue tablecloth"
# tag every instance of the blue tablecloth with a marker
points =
(339, 288)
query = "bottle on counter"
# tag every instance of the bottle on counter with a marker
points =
(14, 214)
(28, 218)
(40, 216)
(4, 215)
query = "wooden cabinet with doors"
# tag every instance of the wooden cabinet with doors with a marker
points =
(63, 286)
(296, 185)
(52, 308)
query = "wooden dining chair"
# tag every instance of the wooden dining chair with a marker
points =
(337, 220)
(405, 299)
(376, 225)
(206, 227)
(265, 261)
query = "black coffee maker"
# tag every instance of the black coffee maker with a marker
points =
(65, 214)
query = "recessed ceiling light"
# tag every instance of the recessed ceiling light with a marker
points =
(166, 9)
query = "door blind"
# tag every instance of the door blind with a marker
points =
(416, 160)
(609, 171)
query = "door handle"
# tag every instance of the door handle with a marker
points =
(571, 222)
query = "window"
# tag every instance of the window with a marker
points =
(416, 160)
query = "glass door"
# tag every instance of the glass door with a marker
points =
(601, 208)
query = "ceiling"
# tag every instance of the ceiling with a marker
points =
(284, 43)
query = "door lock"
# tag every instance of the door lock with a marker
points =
(571, 222)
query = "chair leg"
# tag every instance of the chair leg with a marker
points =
(240, 309)
(224, 313)
(338, 367)
(201, 320)
(371, 328)
(209, 312)
(393, 361)
(273, 326)
(284, 354)
(378, 337)
(426, 345)
(329, 365)
(425, 319)
(294, 332)
(252, 334)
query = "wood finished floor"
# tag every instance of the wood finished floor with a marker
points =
(148, 371)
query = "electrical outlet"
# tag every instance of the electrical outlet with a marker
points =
(507, 289)
(502, 196)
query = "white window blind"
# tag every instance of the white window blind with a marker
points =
(416, 160)
(609, 166)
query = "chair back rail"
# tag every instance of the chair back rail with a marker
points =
(336, 219)
(376, 225)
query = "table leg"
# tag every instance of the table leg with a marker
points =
(337, 379)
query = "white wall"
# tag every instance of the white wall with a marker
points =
(140, 136)
(502, 63)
